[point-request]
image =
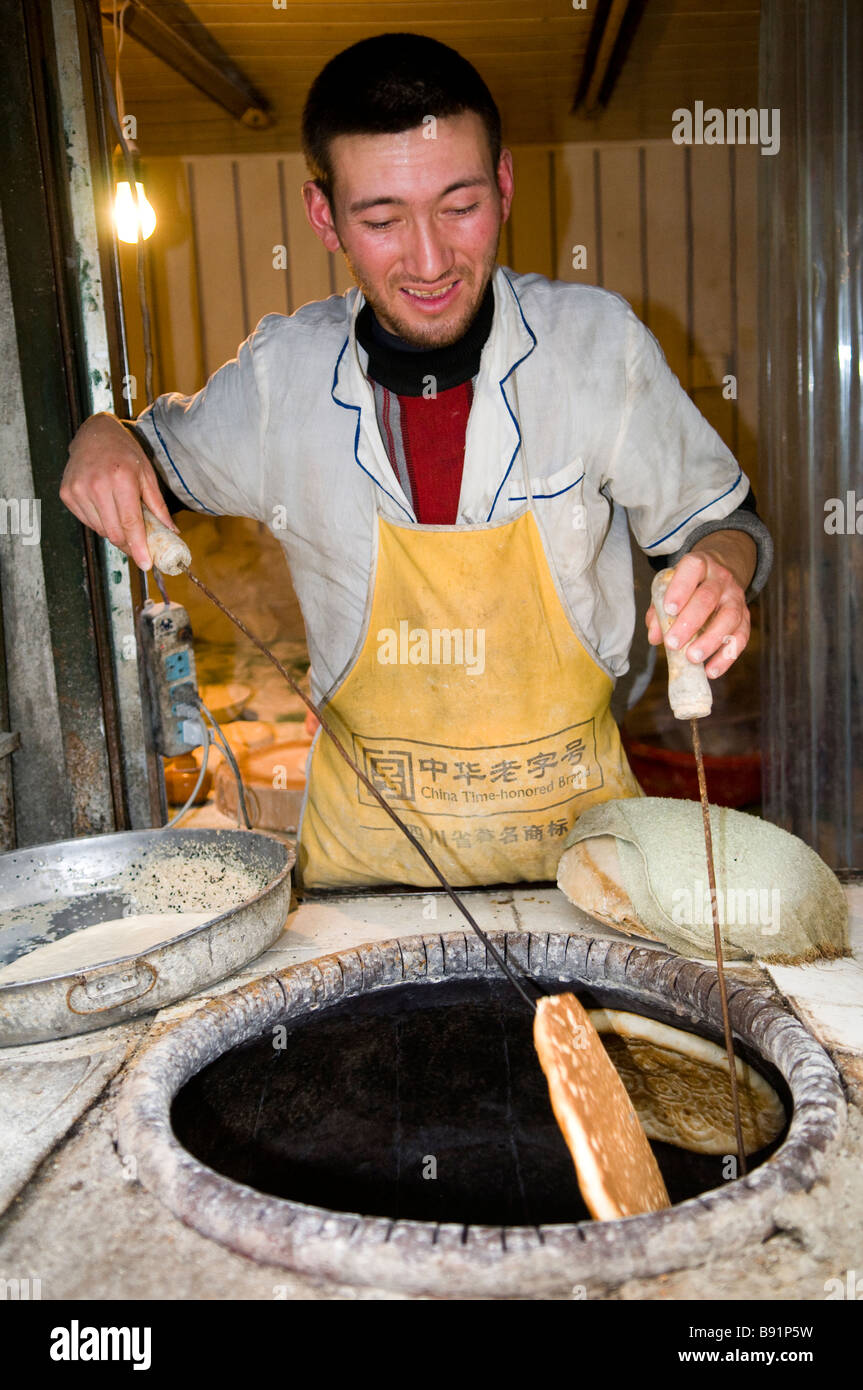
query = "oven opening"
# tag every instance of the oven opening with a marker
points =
(423, 1102)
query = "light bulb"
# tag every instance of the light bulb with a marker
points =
(131, 221)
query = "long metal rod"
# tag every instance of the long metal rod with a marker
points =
(717, 941)
(376, 793)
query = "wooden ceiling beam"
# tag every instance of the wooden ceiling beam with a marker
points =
(173, 33)
(610, 39)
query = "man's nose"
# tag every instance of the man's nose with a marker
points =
(429, 257)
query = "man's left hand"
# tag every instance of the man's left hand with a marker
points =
(707, 592)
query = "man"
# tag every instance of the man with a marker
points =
(452, 452)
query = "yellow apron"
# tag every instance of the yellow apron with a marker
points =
(475, 709)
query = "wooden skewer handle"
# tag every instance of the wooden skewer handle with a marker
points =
(169, 552)
(689, 692)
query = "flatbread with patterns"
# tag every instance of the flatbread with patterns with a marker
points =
(679, 1084)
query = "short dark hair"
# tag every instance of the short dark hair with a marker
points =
(387, 84)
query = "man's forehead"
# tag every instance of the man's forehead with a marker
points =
(427, 161)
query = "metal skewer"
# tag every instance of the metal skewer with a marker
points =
(717, 941)
(691, 698)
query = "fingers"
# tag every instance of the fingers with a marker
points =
(705, 602)
(730, 647)
(109, 502)
(131, 520)
(155, 501)
(98, 513)
(118, 517)
(722, 640)
(711, 610)
(81, 507)
(689, 573)
(106, 478)
(117, 506)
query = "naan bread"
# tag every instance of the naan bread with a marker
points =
(617, 1172)
(680, 1086)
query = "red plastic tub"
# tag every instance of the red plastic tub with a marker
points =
(732, 779)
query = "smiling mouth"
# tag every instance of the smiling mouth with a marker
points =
(430, 294)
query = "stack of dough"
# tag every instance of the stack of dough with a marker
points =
(639, 864)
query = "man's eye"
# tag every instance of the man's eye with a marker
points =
(460, 212)
(379, 226)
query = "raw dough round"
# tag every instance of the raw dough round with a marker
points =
(589, 874)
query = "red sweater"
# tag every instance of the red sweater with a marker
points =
(425, 442)
(422, 401)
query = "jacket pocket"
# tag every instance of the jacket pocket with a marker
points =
(553, 485)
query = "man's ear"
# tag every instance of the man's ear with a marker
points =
(320, 215)
(505, 183)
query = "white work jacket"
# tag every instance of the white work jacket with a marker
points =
(573, 399)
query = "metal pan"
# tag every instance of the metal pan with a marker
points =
(50, 891)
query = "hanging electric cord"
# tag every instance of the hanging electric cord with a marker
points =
(228, 751)
(118, 21)
(189, 712)
(116, 119)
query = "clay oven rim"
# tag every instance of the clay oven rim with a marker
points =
(455, 1260)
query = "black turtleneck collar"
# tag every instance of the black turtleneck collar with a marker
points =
(404, 368)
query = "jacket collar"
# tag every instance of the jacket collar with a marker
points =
(493, 434)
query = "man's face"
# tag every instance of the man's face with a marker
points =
(418, 217)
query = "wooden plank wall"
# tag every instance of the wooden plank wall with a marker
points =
(672, 228)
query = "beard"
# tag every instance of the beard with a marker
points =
(427, 335)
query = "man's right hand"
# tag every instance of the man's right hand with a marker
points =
(107, 478)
